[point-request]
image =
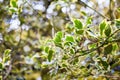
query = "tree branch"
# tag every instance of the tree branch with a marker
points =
(84, 4)
(94, 49)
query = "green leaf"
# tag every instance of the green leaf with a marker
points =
(118, 9)
(65, 57)
(104, 63)
(69, 39)
(7, 51)
(115, 47)
(50, 55)
(6, 56)
(79, 31)
(47, 49)
(58, 37)
(1, 66)
(117, 22)
(75, 61)
(69, 26)
(117, 63)
(13, 3)
(67, 44)
(89, 20)
(108, 49)
(107, 30)
(78, 24)
(102, 27)
(83, 13)
(72, 51)
(12, 10)
(92, 46)
(5, 59)
(64, 64)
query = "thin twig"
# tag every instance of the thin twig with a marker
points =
(114, 33)
(8, 72)
(84, 4)
(9, 68)
(110, 10)
(32, 7)
(94, 49)
(20, 37)
(11, 61)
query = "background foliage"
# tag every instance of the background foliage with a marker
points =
(59, 39)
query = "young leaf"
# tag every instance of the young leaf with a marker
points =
(83, 13)
(5, 59)
(102, 27)
(58, 37)
(108, 49)
(107, 30)
(50, 55)
(78, 24)
(11, 9)
(7, 51)
(47, 49)
(13, 3)
(89, 20)
(69, 39)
